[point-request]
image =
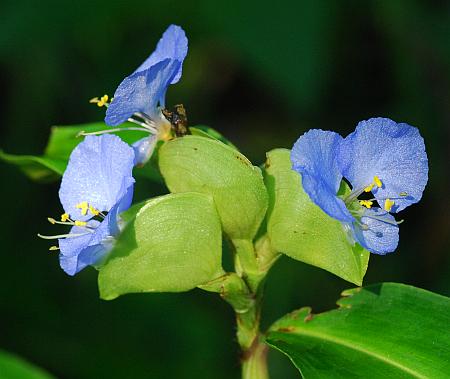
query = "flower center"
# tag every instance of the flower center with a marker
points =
(357, 207)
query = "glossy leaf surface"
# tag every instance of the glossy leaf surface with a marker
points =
(386, 330)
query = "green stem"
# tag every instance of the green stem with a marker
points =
(252, 264)
(254, 351)
(254, 365)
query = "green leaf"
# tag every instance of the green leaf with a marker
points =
(41, 169)
(13, 367)
(173, 245)
(199, 164)
(63, 139)
(300, 229)
(386, 330)
(206, 131)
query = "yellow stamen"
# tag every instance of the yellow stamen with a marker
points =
(53, 248)
(377, 181)
(84, 207)
(94, 211)
(64, 217)
(388, 205)
(80, 223)
(366, 203)
(100, 102)
(369, 188)
(103, 101)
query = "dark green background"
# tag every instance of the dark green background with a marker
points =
(262, 74)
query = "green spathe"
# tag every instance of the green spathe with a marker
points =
(174, 244)
(386, 330)
(300, 229)
(200, 164)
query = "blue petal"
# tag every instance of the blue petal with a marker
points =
(143, 150)
(99, 172)
(381, 237)
(393, 152)
(142, 91)
(91, 248)
(88, 249)
(314, 157)
(122, 205)
(174, 45)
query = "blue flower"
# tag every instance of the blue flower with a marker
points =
(381, 157)
(140, 97)
(96, 186)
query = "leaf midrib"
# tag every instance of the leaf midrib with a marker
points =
(360, 349)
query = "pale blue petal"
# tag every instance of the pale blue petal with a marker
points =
(173, 45)
(122, 205)
(313, 156)
(142, 92)
(99, 172)
(381, 237)
(89, 249)
(143, 149)
(78, 252)
(393, 152)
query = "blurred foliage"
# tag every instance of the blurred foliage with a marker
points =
(259, 73)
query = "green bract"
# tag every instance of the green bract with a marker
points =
(174, 244)
(200, 164)
(300, 229)
(386, 330)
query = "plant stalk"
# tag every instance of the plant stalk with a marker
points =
(252, 266)
(254, 365)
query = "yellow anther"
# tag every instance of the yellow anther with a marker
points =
(366, 203)
(94, 211)
(53, 248)
(377, 181)
(388, 205)
(100, 102)
(83, 206)
(64, 217)
(103, 101)
(80, 223)
(51, 220)
(369, 188)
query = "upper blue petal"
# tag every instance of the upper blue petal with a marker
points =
(99, 172)
(173, 45)
(381, 237)
(314, 157)
(393, 152)
(142, 92)
(143, 149)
